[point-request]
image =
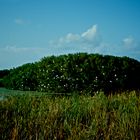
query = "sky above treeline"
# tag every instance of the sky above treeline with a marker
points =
(32, 29)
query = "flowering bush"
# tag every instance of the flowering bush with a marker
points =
(79, 72)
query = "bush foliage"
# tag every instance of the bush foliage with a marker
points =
(3, 73)
(79, 72)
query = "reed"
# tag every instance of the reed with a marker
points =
(72, 117)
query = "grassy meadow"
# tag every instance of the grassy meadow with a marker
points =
(36, 116)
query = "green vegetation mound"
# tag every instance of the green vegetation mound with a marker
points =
(79, 72)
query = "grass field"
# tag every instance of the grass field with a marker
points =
(69, 117)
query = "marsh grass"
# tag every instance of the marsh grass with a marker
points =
(72, 117)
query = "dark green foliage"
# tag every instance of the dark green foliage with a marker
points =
(22, 78)
(79, 72)
(3, 73)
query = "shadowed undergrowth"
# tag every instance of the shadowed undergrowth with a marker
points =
(73, 118)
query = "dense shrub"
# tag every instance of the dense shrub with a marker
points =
(3, 73)
(79, 72)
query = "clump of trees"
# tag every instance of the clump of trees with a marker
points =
(79, 72)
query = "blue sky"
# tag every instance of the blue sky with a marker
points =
(32, 29)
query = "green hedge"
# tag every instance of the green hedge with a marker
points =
(79, 72)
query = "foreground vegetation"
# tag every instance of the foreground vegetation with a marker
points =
(70, 117)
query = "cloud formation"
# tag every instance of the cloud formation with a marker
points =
(89, 41)
(13, 55)
(130, 43)
(69, 38)
(91, 34)
(86, 41)
(21, 21)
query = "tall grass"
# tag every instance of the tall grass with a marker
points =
(73, 118)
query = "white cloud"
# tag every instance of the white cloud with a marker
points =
(72, 37)
(90, 41)
(90, 34)
(86, 41)
(130, 44)
(15, 49)
(129, 41)
(21, 21)
(13, 56)
(69, 38)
